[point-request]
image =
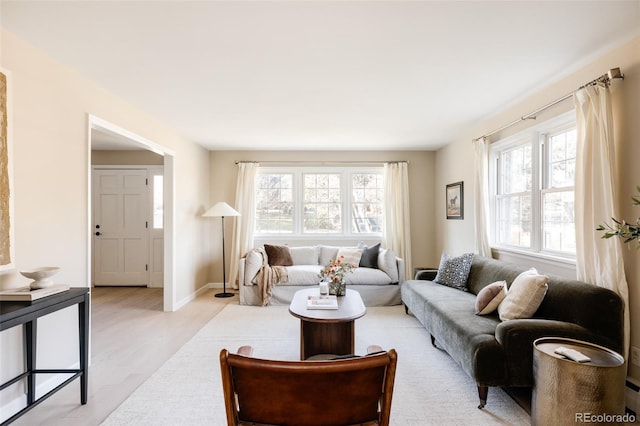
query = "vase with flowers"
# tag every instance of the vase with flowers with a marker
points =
(334, 274)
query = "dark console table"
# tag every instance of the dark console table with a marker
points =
(27, 313)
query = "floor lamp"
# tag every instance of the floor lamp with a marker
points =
(222, 209)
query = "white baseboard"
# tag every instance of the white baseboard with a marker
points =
(190, 297)
(20, 402)
(632, 395)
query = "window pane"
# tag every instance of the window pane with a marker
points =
(367, 191)
(514, 221)
(558, 222)
(274, 203)
(516, 170)
(158, 202)
(322, 204)
(562, 159)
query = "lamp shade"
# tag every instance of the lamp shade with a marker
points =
(221, 209)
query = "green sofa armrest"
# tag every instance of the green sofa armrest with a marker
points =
(517, 337)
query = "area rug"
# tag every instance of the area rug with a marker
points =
(430, 388)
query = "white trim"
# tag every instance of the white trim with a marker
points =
(192, 296)
(169, 292)
(563, 267)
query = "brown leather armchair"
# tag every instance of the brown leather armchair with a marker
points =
(346, 391)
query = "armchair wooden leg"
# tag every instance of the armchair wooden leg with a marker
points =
(482, 393)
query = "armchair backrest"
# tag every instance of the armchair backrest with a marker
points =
(337, 392)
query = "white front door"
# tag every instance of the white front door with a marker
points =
(121, 227)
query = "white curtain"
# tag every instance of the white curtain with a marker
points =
(244, 225)
(599, 261)
(397, 230)
(481, 196)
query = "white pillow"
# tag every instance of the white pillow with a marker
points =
(351, 255)
(305, 255)
(387, 264)
(327, 253)
(524, 296)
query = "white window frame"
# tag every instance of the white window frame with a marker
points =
(298, 201)
(536, 136)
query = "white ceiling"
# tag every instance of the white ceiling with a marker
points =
(359, 75)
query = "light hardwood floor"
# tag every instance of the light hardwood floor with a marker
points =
(131, 338)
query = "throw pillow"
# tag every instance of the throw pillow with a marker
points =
(278, 255)
(305, 255)
(454, 271)
(369, 257)
(351, 255)
(524, 296)
(387, 263)
(490, 296)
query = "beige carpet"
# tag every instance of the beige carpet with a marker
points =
(430, 388)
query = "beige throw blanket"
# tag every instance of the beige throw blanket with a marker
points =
(268, 276)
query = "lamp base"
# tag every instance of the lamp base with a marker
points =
(225, 294)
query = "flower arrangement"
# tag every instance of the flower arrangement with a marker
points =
(621, 228)
(334, 273)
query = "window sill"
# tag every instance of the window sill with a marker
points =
(544, 263)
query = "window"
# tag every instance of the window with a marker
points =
(315, 201)
(533, 189)
(274, 203)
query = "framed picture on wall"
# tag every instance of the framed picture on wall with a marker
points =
(455, 200)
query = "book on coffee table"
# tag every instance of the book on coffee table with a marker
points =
(322, 302)
(25, 294)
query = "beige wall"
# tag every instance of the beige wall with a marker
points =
(126, 158)
(455, 162)
(421, 177)
(50, 107)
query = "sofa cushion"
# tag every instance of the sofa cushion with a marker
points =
(367, 276)
(303, 275)
(350, 255)
(278, 255)
(524, 296)
(369, 257)
(305, 255)
(387, 263)
(490, 296)
(454, 271)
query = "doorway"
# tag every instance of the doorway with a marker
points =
(104, 135)
(128, 225)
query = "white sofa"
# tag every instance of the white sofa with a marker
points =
(377, 286)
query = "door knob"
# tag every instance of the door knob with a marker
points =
(97, 234)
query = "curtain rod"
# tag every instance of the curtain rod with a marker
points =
(613, 73)
(322, 162)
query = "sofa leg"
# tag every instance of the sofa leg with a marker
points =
(406, 309)
(482, 393)
(433, 341)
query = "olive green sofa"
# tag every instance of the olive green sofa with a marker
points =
(500, 353)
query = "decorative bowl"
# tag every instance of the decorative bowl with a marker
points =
(41, 276)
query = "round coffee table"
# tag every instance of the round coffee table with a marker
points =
(327, 331)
